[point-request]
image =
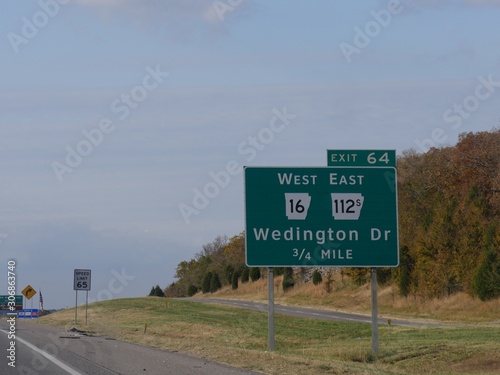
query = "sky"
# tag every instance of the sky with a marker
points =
(125, 124)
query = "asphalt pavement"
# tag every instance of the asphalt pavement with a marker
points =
(45, 350)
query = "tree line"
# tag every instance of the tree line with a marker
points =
(449, 221)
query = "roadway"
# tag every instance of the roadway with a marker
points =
(310, 313)
(46, 350)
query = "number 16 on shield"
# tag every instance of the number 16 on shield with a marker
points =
(297, 205)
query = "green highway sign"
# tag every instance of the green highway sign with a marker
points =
(11, 303)
(361, 158)
(321, 216)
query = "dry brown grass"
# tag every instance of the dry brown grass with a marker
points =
(345, 297)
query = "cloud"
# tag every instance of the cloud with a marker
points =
(178, 18)
(140, 11)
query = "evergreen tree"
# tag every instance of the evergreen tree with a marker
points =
(317, 278)
(278, 271)
(255, 273)
(245, 275)
(214, 283)
(328, 282)
(384, 275)
(405, 268)
(158, 292)
(234, 281)
(288, 281)
(486, 281)
(229, 272)
(152, 292)
(192, 290)
(205, 286)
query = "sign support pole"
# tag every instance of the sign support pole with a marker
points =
(270, 303)
(76, 308)
(81, 281)
(373, 271)
(86, 305)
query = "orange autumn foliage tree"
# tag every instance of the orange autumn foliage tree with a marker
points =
(449, 210)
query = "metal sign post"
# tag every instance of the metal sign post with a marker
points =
(86, 306)
(374, 310)
(82, 281)
(76, 306)
(270, 303)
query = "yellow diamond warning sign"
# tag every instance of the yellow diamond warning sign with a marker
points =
(28, 292)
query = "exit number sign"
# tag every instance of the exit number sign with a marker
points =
(361, 158)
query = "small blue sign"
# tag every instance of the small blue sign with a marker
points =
(27, 314)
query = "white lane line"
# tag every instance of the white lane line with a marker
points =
(47, 355)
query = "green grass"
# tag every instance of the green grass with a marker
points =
(239, 337)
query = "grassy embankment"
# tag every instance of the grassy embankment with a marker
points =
(459, 307)
(239, 337)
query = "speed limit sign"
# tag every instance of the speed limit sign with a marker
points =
(81, 280)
